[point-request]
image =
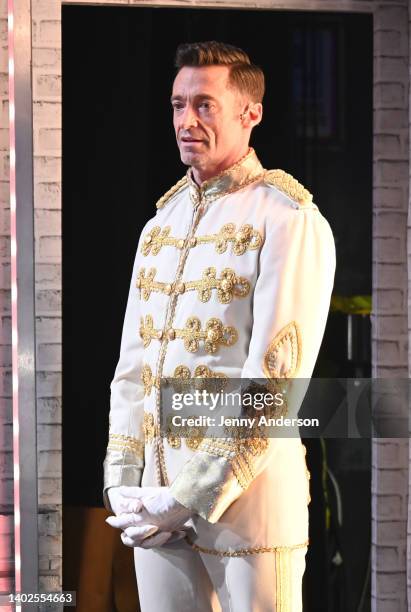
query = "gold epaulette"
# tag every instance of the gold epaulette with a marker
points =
(289, 185)
(171, 192)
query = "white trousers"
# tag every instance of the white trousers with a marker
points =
(177, 578)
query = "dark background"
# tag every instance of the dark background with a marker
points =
(120, 156)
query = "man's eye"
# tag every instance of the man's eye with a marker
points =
(205, 105)
(177, 106)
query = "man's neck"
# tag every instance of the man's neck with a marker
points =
(201, 175)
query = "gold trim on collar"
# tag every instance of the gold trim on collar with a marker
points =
(245, 171)
(229, 285)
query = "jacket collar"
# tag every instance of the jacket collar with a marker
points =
(245, 171)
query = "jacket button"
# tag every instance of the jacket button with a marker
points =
(180, 243)
(159, 334)
(168, 288)
(193, 241)
(181, 287)
(147, 239)
(171, 333)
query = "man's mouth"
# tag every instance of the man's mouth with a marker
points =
(188, 139)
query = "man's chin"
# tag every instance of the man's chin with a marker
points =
(191, 158)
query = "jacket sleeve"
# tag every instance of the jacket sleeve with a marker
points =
(290, 309)
(124, 460)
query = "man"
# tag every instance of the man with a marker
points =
(232, 279)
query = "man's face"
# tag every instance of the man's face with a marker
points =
(206, 119)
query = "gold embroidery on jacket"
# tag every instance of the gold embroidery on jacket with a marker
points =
(243, 239)
(147, 330)
(191, 435)
(283, 355)
(214, 335)
(246, 238)
(148, 379)
(289, 185)
(229, 285)
(182, 379)
(157, 238)
(203, 377)
(149, 427)
(121, 442)
(241, 552)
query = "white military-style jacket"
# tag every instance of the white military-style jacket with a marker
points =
(232, 279)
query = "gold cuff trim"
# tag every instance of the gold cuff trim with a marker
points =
(239, 453)
(120, 442)
(242, 552)
(229, 285)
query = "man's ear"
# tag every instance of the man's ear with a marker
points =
(255, 114)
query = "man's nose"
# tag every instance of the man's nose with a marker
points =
(188, 118)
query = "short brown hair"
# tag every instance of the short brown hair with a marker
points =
(245, 76)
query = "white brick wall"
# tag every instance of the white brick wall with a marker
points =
(390, 327)
(6, 440)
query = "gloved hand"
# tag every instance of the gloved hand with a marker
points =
(142, 509)
(117, 499)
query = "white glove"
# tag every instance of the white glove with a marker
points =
(143, 508)
(117, 499)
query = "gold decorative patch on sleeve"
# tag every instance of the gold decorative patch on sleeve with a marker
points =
(121, 442)
(283, 355)
(229, 285)
(161, 202)
(286, 183)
